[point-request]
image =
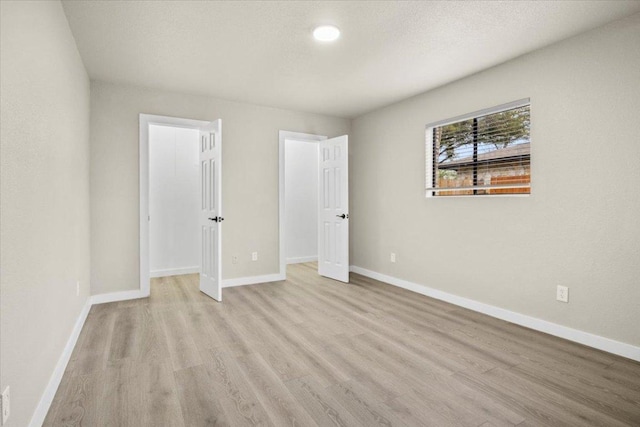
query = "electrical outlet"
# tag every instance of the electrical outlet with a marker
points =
(6, 405)
(392, 258)
(78, 288)
(562, 293)
(254, 256)
(234, 259)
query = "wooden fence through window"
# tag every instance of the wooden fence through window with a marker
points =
(496, 180)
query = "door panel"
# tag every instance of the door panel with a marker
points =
(333, 206)
(211, 209)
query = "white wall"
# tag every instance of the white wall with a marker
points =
(250, 177)
(44, 188)
(578, 228)
(174, 241)
(301, 201)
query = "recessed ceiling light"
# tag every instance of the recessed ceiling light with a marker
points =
(326, 33)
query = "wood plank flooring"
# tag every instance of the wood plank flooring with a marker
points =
(310, 351)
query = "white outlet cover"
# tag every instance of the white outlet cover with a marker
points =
(254, 256)
(392, 258)
(6, 405)
(562, 293)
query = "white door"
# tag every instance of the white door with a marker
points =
(211, 208)
(333, 209)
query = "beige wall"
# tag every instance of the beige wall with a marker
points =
(249, 173)
(578, 228)
(44, 190)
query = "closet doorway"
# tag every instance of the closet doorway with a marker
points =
(314, 203)
(181, 201)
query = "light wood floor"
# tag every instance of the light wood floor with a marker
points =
(311, 351)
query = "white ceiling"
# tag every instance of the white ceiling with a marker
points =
(263, 52)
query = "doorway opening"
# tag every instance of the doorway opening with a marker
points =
(174, 239)
(314, 203)
(180, 202)
(301, 201)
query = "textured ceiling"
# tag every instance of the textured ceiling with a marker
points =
(263, 52)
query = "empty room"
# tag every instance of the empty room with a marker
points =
(319, 213)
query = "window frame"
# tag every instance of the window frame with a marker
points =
(430, 171)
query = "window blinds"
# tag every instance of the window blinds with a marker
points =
(488, 152)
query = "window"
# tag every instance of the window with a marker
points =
(483, 153)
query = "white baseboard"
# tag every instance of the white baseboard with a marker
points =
(586, 338)
(54, 382)
(175, 271)
(117, 296)
(252, 280)
(301, 259)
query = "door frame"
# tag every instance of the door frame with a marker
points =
(145, 121)
(283, 135)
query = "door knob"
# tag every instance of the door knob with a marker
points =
(217, 219)
(343, 216)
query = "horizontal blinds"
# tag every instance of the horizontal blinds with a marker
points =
(488, 152)
(486, 111)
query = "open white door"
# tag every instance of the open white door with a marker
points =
(333, 209)
(211, 208)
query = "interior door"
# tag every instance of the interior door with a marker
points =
(211, 208)
(333, 208)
